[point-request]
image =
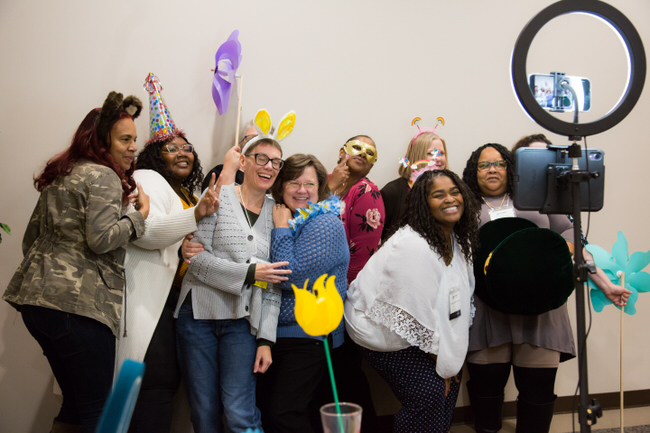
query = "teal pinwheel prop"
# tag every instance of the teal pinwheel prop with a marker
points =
(618, 263)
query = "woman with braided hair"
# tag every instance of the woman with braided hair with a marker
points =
(410, 307)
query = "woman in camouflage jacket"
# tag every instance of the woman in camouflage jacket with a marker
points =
(69, 285)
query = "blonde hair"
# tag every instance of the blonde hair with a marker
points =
(417, 151)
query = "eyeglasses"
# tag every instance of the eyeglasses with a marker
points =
(246, 139)
(484, 166)
(261, 159)
(309, 186)
(173, 148)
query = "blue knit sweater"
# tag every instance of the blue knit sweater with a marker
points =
(316, 248)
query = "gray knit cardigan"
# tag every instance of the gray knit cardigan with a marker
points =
(216, 276)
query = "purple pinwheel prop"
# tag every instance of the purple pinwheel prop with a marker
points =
(227, 60)
(619, 260)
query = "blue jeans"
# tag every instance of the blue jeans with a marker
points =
(216, 359)
(81, 353)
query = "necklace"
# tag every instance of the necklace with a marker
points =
(186, 198)
(501, 205)
(266, 227)
(241, 196)
(340, 194)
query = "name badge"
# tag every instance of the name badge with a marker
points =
(262, 284)
(454, 303)
(504, 212)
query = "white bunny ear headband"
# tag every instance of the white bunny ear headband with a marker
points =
(265, 128)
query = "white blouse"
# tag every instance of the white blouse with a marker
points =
(401, 298)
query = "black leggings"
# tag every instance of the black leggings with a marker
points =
(535, 385)
(153, 410)
(81, 352)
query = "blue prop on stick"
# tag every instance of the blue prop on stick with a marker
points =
(616, 264)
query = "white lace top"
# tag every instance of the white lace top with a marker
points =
(401, 299)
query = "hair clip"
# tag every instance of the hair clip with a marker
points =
(416, 164)
(405, 162)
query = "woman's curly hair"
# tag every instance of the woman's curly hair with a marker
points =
(151, 158)
(417, 215)
(471, 168)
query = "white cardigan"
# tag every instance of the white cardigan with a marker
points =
(401, 299)
(151, 264)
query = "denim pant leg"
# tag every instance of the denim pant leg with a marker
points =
(81, 352)
(237, 350)
(198, 345)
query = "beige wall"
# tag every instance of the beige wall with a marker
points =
(346, 68)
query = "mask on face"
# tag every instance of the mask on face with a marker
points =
(356, 147)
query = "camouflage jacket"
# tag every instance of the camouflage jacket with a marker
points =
(74, 247)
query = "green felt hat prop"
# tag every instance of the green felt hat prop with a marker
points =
(530, 270)
(490, 236)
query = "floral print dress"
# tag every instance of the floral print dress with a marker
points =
(362, 213)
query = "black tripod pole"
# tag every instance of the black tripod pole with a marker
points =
(588, 412)
(579, 275)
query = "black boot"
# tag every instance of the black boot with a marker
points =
(534, 417)
(487, 411)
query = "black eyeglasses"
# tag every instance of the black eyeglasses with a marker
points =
(483, 166)
(246, 138)
(261, 159)
(173, 148)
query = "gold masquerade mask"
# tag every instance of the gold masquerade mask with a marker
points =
(356, 147)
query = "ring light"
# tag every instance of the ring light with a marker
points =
(636, 59)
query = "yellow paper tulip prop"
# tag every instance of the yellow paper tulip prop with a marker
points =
(320, 311)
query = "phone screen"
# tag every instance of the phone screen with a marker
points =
(554, 98)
